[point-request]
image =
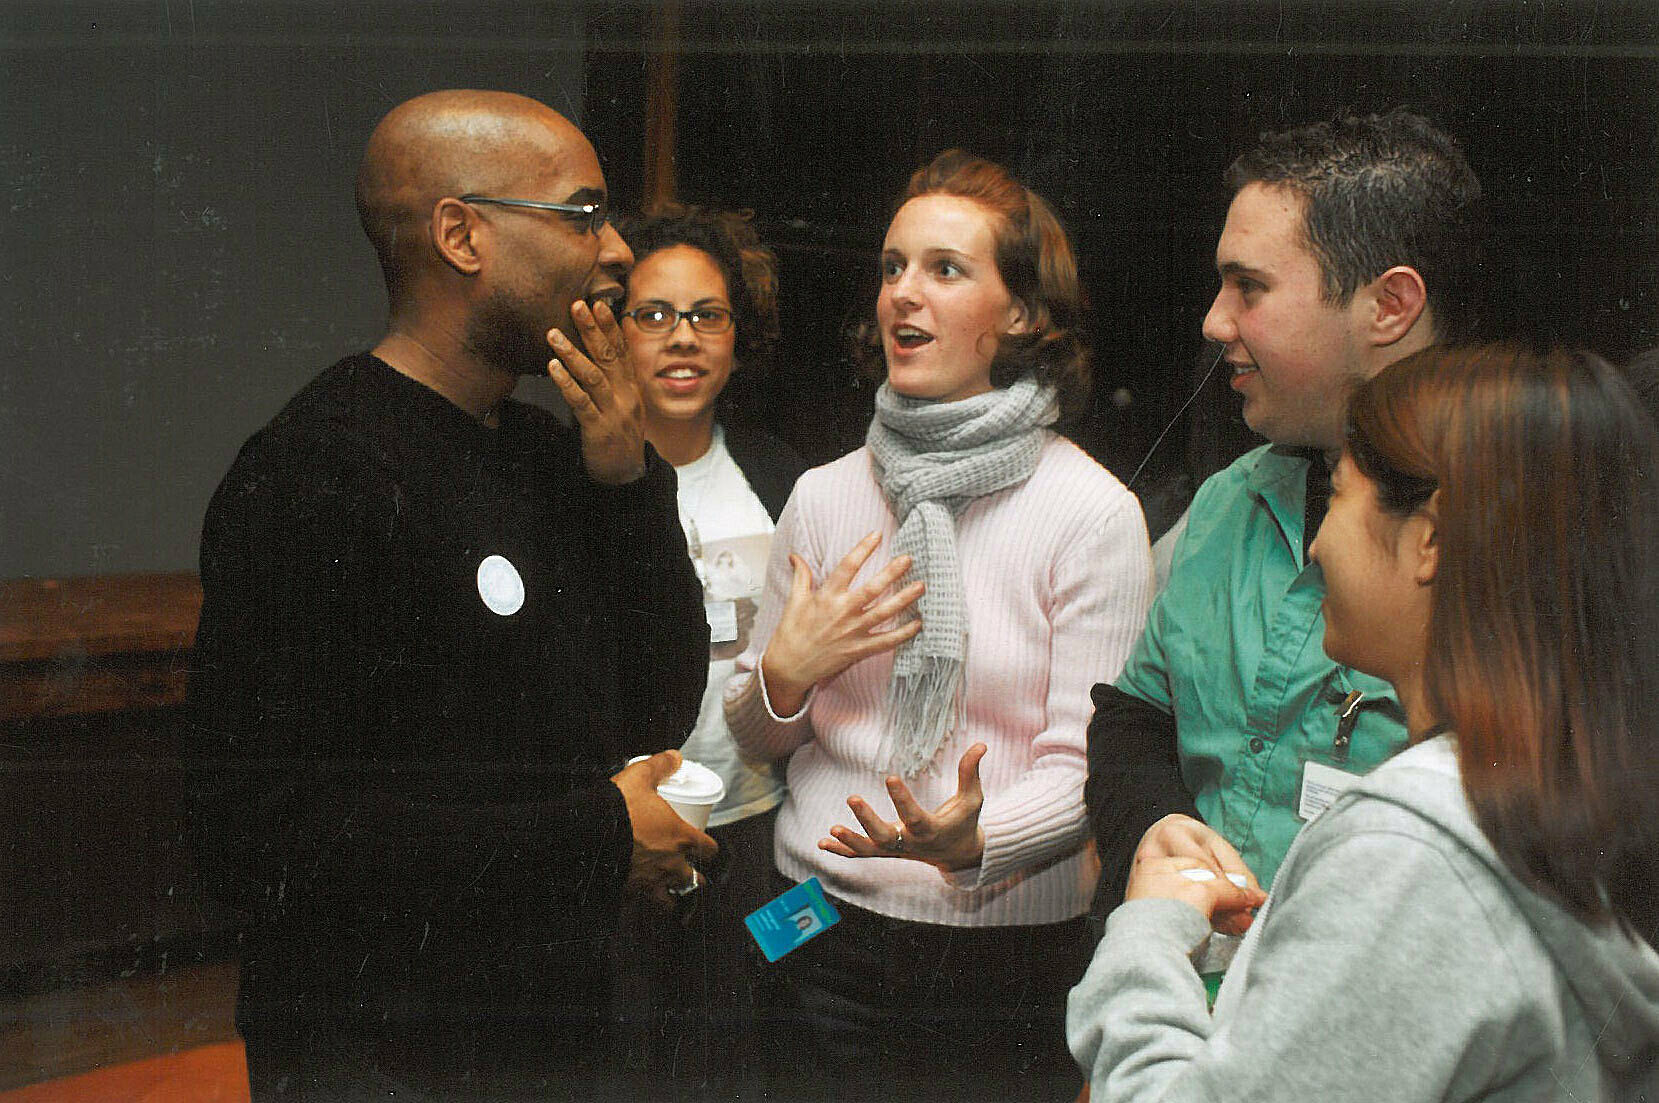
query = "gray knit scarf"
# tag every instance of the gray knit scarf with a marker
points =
(932, 459)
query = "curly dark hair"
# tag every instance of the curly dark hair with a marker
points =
(1035, 261)
(1382, 190)
(749, 267)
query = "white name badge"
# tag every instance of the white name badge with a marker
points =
(1321, 784)
(722, 618)
(500, 585)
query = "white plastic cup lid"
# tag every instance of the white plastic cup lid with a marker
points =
(692, 783)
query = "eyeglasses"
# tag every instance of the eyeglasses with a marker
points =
(594, 215)
(662, 318)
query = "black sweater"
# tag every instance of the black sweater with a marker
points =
(403, 790)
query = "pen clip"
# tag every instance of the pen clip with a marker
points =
(1347, 715)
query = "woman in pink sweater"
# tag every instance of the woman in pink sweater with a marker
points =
(942, 695)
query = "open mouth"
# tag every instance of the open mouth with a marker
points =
(612, 298)
(682, 373)
(1242, 369)
(909, 337)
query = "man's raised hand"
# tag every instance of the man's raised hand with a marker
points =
(600, 389)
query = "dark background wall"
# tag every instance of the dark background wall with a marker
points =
(181, 249)
(1124, 115)
(182, 253)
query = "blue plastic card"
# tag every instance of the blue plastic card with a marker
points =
(801, 913)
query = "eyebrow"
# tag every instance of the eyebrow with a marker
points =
(1236, 268)
(932, 251)
(586, 195)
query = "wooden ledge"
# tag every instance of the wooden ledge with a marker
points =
(70, 646)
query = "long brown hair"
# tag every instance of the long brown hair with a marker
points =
(1544, 622)
(1036, 263)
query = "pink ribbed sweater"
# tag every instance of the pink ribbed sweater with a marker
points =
(1057, 577)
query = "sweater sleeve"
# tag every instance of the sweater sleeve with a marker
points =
(662, 633)
(758, 730)
(1378, 975)
(1134, 780)
(1102, 584)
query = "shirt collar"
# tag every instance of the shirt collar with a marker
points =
(1279, 479)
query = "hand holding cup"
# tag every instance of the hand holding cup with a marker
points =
(664, 842)
(1171, 862)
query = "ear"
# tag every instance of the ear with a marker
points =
(1423, 534)
(454, 232)
(1019, 318)
(1400, 297)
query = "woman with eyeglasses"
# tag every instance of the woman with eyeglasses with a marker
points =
(1476, 918)
(941, 696)
(701, 305)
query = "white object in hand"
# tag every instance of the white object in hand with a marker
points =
(1198, 873)
(693, 790)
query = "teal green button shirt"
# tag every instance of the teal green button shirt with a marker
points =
(1233, 651)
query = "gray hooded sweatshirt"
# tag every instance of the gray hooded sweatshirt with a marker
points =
(1397, 959)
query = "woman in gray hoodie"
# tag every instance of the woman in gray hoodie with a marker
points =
(1475, 919)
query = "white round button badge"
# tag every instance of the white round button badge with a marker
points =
(500, 586)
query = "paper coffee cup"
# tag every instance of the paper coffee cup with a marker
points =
(693, 790)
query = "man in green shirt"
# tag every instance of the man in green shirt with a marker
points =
(1348, 245)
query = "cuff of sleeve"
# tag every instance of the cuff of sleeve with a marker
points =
(1002, 858)
(994, 865)
(766, 696)
(579, 849)
(612, 844)
(655, 484)
(966, 880)
(1168, 921)
(1020, 834)
(760, 734)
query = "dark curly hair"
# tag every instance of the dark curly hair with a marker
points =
(1035, 260)
(749, 267)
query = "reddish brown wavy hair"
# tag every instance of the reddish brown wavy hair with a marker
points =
(1035, 260)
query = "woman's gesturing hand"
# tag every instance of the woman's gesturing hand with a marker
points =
(825, 629)
(947, 837)
(1172, 861)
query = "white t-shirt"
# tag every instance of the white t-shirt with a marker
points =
(729, 535)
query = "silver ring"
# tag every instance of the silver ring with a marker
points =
(689, 887)
(897, 845)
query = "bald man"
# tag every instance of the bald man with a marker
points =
(436, 625)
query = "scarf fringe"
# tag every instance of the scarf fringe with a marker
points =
(926, 700)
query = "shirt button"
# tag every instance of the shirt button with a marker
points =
(1256, 744)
